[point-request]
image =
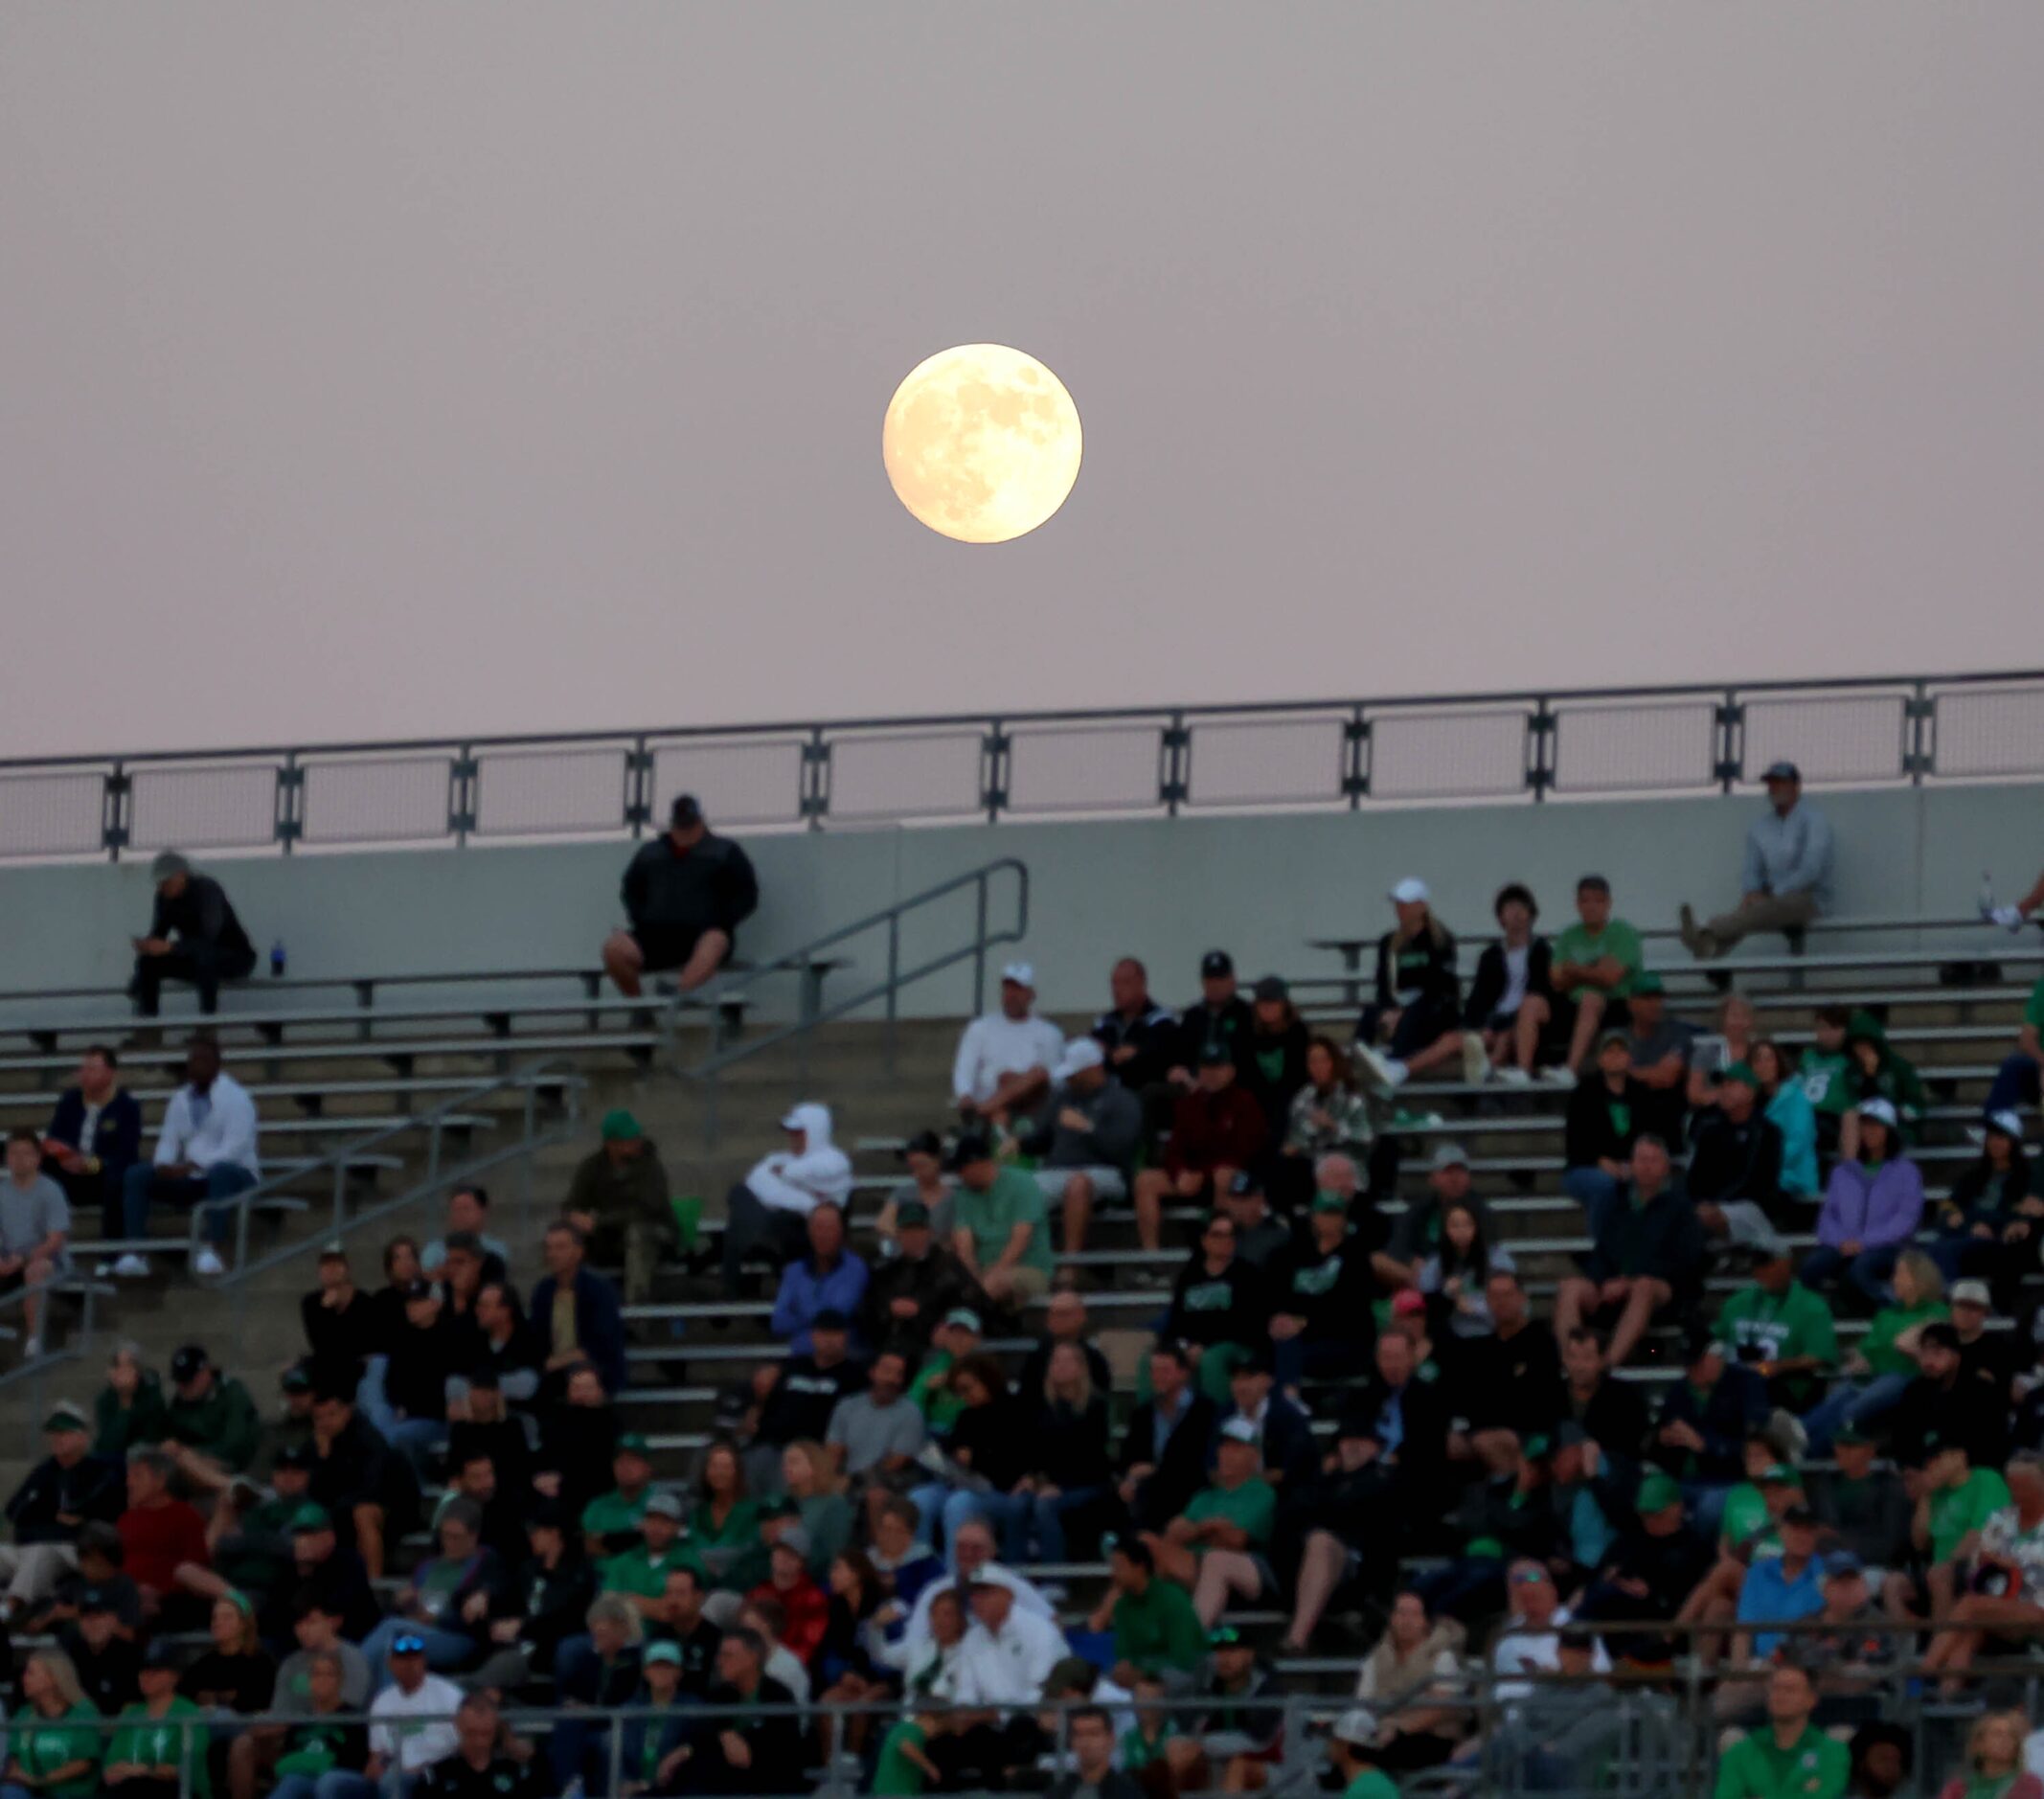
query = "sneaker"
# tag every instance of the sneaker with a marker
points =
(1789, 1428)
(1559, 1077)
(101, 1269)
(1375, 1067)
(208, 1263)
(31, 1350)
(1475, 1063)
(1512, 1077)
(130, 1267)
(1686, 924)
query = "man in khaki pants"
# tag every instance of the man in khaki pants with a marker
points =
(1786, 877)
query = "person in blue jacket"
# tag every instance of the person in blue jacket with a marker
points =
(93, 1138)
(595, 1323)
(830, 1278)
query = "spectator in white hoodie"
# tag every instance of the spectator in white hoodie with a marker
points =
(769, 1209)
(1005, 1059)
(206, 1153)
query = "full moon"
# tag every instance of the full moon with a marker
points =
(981, 442)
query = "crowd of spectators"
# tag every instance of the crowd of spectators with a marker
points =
(1349, 1401)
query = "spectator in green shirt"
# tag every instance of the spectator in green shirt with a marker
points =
(128, 1411)
(162, 1739)
(1956, 1499)
(958, 1338)
(2017, 1081)
(999, 1227)
(1219, 1547)
(724, 1522)
(1886, 1362)
(1791, 1758)
(1826, 1074)
(1156, 1631)
(640, 1574)
(1594, 963)
(1351, 1746)
(1146, 1743)
(53, 1746)
(211, 1426)
(610, 1521)
(1781, 1330)
(904, 1766)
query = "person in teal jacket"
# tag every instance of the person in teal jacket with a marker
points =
(1788, 1109)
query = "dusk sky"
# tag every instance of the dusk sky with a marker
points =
(372, 370)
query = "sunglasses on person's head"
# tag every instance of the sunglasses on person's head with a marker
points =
(1528, 1577)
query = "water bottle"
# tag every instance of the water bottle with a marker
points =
(277, 960)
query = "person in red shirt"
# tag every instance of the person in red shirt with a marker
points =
(163, 1540)
(1217, 1129)
(801, 1602)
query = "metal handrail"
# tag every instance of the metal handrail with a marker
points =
(1543, 767)
(708, 1072)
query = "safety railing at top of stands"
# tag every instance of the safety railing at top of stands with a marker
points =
(989, 931)
(1134, 761)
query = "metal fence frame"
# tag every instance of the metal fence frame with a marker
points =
(1139, 761)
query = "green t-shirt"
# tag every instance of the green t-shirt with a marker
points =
(2033, 1007)
(655, 1730)
(179, 1735)
(1963, 1508)
(1371, 1783)
(1253, 1506)
(1745, 1517)
(731, 1554)
(1814, 1767)
(1877, 1345)
(1158, 1628)
(992, 1217)
(940, 1405)
(1824, 1081)
(42, 1744)
(1139, 1751)
(636, 1571)
(894, 1775)
(1617, 939)
(612, 1515)
(1782, 1327)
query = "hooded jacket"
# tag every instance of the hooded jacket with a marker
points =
(786, 1182)
(1895, 1079)
(1871, 1205)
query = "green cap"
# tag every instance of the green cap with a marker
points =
(631, 1443)
(1657, 1492)
(1780, 1475)
(1326, 1201)
(64, 1415)
(620, 1126)
(1648, 983)
(1743, 1073)
(1224, 1636)
(310, 1517)
(1535, 1446)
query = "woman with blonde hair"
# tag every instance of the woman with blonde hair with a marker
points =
(809, 1474)
(1879, 1372)
(53, 1744)
(1070, 1471)
(1994, 1762)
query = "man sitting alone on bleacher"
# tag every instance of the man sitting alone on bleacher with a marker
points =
(685, 894)
(205, 1154)
(619, 1201)
(767, 1212)
(194, 936)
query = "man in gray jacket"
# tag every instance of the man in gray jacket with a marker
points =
(1085, 1138)
(1785, 878)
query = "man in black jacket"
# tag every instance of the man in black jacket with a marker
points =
(64, 1492)
(747, 1752)
(1606, 1116)
(194, 936)
(477, 1769)
(1139, 1036)
(93, 1138)
(1645, 1261)
(1735, 1178)
(1649, 1575)
(685, 894)
(1164, 1451)
(911, 1291)
(1221, 1015)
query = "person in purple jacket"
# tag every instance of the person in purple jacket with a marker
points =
(1871, 1209)
(830, 1278)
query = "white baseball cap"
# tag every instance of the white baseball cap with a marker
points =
(1876, 1108)
(1412, 891)
(1020, 973)
(2007, 1121)
(1080, 1054)
(1356, 1727)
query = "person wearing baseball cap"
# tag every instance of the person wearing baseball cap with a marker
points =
(1735, 1174)
(195, 935)
(1273, 1061)
(1220, 1016)
(1785, 878)
(1980, 1232)
(1877, 1070)
(67, 1489)
(1412, 1023)
(1085, 1139)
(1225, 1556)
(1001, 1229)
(617, 1198)
(1872, 1206)
(212, 1428)
(911, 1291)
(1415, 1234)
(1352, 1747)
(1002, 1071)
(685, 893)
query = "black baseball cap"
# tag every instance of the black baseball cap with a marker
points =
(1783, 770)
(969, 1148)
(1215, 962)
(189, 1363)
(923, 1142)
(831, 1319)
(296, 1378)
(418, 1288)
(1215, 1055)
(1272, 987)
(161, 1652)
(687, 809)
(293, 1455)
(912, 1215)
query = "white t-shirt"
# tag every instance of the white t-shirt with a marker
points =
(998, 1045)
(396, 1733)
(1539, 1651)
(1518, 964)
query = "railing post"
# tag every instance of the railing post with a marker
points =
(1730, 727)
(290, 823)
(979, 944)
(616, 1783)
(1174, 764)
(340, 1195)
(461, 785)
(995, 766)
(116, 796)
(1920, 735)
(1356, 760)
(638, 787)
(893, 975)
(1540, 748)
(815, 787)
